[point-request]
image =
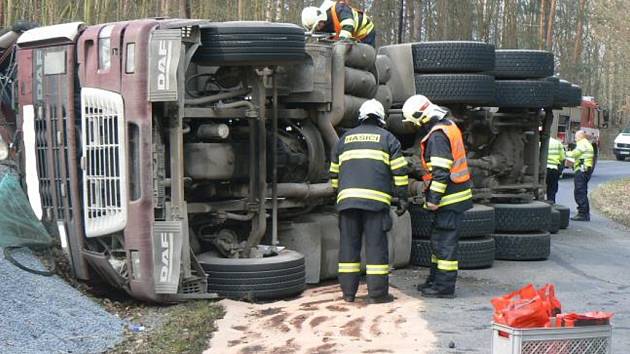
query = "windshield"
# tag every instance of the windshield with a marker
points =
(626, 131)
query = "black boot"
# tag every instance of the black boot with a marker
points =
(380, 300)
(348, 298)
(425, 285)
(581, 217)
(433, 292)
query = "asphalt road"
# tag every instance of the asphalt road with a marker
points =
(588, 265)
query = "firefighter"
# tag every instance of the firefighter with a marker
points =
(365, 164)
(555, 163)
(448, 190)
(582, 159)
(342, 19)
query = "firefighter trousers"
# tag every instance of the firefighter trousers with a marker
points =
(580, 191)
(553, 176)
(353, 225)
(444, 242)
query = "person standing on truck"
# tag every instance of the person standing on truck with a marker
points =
(582, 159)
(448, 190)
(364, 165)
(555, 163)
(341, 19)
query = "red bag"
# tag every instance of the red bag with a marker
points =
(526, 307)
(584, 319)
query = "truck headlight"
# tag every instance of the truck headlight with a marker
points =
(4, 149)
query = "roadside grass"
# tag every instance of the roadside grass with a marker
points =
(613, 200)
(182, 328)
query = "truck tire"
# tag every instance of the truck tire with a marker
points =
(473, 254)
(565, 214)
(524, 93)
(562, 94)
(525, 217)
(254, 279)
(523, 64)
(523, 247)
(471, 89)
(478, 221)
(555, 221)
(250, 43)
(383, 68)
(384, 96)
(574, 98)
(452, 57)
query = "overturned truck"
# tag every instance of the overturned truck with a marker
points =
(178, 159)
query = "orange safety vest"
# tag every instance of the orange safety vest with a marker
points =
(459, 170)
(337, 23)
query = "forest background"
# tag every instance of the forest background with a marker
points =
(590, 38)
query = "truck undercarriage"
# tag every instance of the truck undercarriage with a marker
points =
(180, 158)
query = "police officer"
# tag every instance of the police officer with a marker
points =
(582, 159)
(555, 164)
(339, 18)
(366, 163)
(448, 190)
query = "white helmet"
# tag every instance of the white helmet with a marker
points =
(311, 16)
(372, 108)
(327, 4)
(419, 110)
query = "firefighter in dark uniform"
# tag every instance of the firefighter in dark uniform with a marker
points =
(342, 19)
(365, 164)
(448, 190)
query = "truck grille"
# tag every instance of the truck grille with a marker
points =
(623, 145)
(103, 162)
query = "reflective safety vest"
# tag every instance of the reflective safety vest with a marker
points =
(555, 153)
(361, 24)
(582, 155)
(459, 172)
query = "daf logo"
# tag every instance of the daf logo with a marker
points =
(164, 64)
(166, 256)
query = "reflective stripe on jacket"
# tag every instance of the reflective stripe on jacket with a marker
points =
(365, 167)
(458, 167)
(346, 18)
(582, 155)
(555, 154)
(444, 157)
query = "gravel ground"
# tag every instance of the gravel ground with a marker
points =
(46, 315)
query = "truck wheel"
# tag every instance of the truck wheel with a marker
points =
(473, 254)
(250, 43)
(472, 89)
(383, 68)
(533, 216)
(555, 221)
(574, 98)
(620, 157)
(524, 93)
(523, 247)
(562, 94)
(523, 64)
(452, 57)
(565, 213)
(255, 278)
(478, 221)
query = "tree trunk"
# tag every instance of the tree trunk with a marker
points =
(579, 31)
(541, 24)
(417, 20)
(552, 17)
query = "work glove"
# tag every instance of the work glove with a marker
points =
(403, 205)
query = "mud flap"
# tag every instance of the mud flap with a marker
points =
(167, 250)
